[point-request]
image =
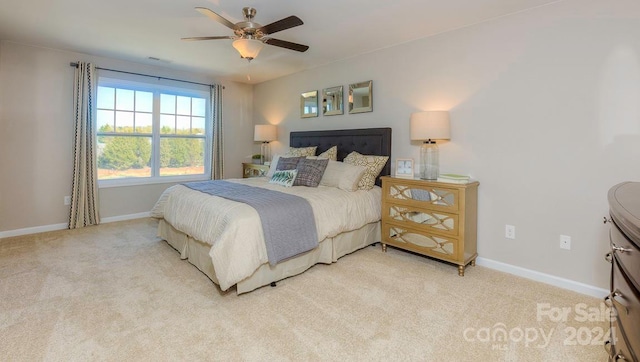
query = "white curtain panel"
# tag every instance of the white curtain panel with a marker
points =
(84, 195)
(217, 164)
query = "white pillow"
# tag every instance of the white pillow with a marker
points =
(342, 175)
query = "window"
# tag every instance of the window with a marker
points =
(149, 133)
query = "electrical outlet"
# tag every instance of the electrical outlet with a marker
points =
(509, 231)
(565, 242)
(67, 200)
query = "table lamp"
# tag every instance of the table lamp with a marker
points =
(428, 127)
(264, 133)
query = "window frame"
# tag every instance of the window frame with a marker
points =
(156, 136)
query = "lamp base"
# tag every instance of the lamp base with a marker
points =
(265, 152)
(429, 163)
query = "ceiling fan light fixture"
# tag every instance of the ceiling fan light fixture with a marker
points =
(248, 48)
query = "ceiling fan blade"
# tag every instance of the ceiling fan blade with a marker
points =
(206, 38)
(216, 17)
(281, 24)
(287, 44)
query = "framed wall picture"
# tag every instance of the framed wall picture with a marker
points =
(309, 104)
(332, 101)
(404, 167)
(360, 97)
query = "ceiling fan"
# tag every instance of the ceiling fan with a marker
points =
(250, 36)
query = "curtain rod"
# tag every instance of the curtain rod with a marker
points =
(75, 65)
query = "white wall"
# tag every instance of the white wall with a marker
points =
(36, 136)
(545, 113)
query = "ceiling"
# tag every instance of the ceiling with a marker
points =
(136, 30)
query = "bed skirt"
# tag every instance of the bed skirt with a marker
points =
(327, 252)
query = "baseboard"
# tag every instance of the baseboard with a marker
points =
(544, 278)
(139, 215)
(55, 227)
(32, 230)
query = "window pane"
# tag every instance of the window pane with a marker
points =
(167, 103)
(181, 156)
(183, 125)
(144, 101)
(124, 99)
(144, 122)
(184, 105)
(124, 122)
(120, 156)
(106, 97)
(167, 124)
(145, 117)
(198, 107)
(105, 121)
(197, 125)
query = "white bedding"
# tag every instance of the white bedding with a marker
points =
(234, 230)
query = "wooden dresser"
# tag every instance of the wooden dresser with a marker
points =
(435, 219)
(624, 297)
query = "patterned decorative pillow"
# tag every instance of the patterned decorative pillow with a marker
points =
(373, 164)
(288, 163)
(310, 172)
(331, 153)
(302, 151)
(284, 178)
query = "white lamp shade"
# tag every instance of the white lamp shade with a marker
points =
(430, 125)
(264, 133)
(248, 48)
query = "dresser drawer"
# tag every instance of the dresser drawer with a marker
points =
(424, 196)
(627, 254)
(441, 247)
(626, 301)
(429, 220)
(617, 346)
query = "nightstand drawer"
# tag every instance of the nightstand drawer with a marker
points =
(429, 220)
(424, 196)
(254, 170)
(441, 247)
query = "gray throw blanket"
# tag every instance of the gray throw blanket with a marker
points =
(287, 220)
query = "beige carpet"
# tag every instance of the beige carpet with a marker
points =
(116, 292)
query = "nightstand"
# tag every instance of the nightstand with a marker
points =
(254, 170)
(435, 219)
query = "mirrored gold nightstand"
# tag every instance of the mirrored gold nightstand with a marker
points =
(435, 219)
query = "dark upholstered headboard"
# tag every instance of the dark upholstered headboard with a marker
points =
(368, 141)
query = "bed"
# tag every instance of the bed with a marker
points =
(226, 247)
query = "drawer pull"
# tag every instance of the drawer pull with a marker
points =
(608, 298)
(620, 248)
(612, 296)
(606, 220)
(607, 302)
(619, 357)
(609, 257)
